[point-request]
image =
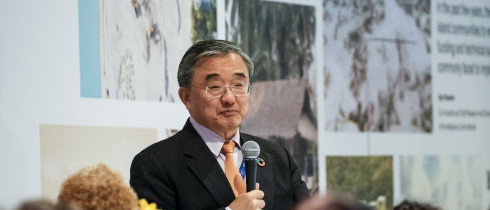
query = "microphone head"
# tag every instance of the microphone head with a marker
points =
(250, 149)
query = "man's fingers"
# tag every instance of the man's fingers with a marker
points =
(261, 203)
(257, 185)
(257, 194)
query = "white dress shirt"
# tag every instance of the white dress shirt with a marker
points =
(215, 143)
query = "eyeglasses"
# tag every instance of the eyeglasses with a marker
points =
(214, 91)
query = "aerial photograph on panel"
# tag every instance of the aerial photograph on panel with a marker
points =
(377, 66)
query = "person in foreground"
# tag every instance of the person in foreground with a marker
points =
(414, 205)
(98, 187)
(332, 201)
(197, 168)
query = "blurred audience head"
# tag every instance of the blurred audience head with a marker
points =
(98, 187)
(67, 206)
(47, 205)
(36, 205)
(412, 205)
(332, 202)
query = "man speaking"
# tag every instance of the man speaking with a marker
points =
(201, 167)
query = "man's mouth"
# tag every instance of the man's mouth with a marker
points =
(228, 112)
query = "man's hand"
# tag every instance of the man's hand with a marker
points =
(249, 200)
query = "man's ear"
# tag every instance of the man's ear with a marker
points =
(185, 97)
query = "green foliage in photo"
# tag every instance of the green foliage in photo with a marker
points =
(365, 178)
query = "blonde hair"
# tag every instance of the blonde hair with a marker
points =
(98, 188)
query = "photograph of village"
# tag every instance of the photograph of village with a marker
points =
(280, 38)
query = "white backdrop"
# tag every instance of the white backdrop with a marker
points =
(40, 84)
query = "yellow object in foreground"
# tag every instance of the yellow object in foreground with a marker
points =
(145, 206)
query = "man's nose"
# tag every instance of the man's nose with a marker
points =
(228, 96)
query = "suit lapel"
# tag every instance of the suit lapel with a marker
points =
(206, 168)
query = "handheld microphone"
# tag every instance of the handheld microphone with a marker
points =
(251, 151)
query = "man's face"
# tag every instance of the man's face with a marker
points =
(221, 114)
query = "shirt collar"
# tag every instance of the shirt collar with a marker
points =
(213, 140)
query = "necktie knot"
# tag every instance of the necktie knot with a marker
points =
(228, 147)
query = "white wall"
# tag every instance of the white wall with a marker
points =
(40, 84)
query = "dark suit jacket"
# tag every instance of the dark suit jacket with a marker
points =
(182, 173)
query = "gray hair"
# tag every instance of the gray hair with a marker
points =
(208, 48)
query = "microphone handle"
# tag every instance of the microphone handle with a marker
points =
(251, 173)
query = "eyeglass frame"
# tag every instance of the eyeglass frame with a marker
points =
(248, 88)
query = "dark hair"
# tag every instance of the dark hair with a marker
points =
(36, 205)
(413, 205)
(208, 48)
